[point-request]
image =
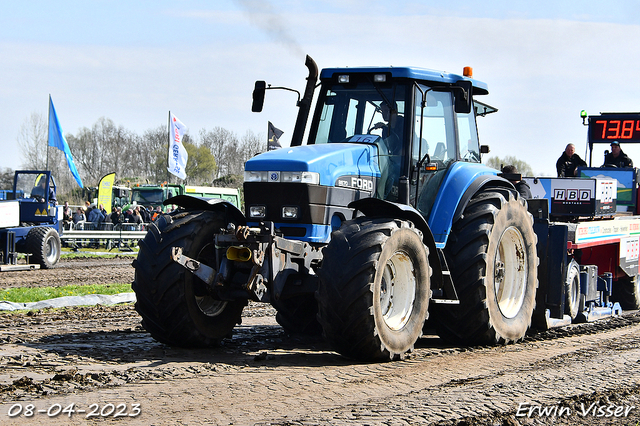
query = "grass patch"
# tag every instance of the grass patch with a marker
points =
(36, 294)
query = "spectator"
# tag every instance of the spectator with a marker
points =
(67, 215)
(144, 213)
(157, 213)
(617, 158)
(136, 216)
(568, 162)
(521, 186)
(116, 216)
(96, 217)
(87, 208)
(127, 216)
(79, 216)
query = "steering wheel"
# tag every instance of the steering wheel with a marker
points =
(378, 125)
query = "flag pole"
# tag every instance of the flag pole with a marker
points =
(48, 130)
(168, 144)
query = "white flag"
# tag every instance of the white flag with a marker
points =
(177, 153)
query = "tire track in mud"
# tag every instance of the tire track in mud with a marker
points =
(102, 351)
(101, 354)
(73, 272)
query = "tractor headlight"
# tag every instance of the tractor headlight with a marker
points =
(251, 176)
(258, 212)
(312, 178)
(289, 212)
(301, 177)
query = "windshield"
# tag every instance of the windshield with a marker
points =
(147, 196)
(360, 109)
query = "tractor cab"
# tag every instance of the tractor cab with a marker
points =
(36, 192)
(421, 121)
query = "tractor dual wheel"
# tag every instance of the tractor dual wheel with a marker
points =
(43, 242)
(491, 253)
(374, 289)
(174, 306)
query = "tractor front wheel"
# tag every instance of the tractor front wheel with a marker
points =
(173, 303)
(374, 288)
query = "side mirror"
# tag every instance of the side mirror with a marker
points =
(484, 149)
(463, 97)
(258, 96)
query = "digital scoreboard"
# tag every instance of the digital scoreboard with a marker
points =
(606, 128)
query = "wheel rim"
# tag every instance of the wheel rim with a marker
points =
(510, 272)
(573, 296)
(209, 306)
(51, 250)
(397, 290)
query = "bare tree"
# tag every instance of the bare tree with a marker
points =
(223, 144)
(32, 141)
(103, 149)
(251, 145)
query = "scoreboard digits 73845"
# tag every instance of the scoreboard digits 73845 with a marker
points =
(619, 127)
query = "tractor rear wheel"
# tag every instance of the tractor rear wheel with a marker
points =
(43, 242)
(173, 303)
(374, 288)
(492, 257)
(626, 291)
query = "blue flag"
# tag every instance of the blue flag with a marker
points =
(57, 139)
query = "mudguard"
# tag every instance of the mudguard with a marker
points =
(375, 207)
(463, 181)
(191, 202)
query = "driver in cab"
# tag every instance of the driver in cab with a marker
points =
(617, 158)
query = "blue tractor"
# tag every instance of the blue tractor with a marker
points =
(30, 222)
(383, 218)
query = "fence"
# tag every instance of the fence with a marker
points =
(109, 235)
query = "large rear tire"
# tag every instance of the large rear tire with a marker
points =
(492, 256)
(626, 291)
(174, 306)
(374, 289)
(43, 242)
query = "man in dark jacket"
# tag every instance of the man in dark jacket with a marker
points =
(569, 161)
(617, 158)
(521, 186)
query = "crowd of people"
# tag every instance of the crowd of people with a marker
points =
(89, 213)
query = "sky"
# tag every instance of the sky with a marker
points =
(134, 61)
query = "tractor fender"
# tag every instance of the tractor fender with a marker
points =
(375, 207)
(458, 187)
(191, 202)
(481, 182)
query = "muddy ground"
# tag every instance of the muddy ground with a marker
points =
(96, 364)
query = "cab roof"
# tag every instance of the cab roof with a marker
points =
(413, 73)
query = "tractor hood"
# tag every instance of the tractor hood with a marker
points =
(330, 161)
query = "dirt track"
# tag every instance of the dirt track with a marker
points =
(101, 356)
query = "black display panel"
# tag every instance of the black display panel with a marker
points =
(607, 128)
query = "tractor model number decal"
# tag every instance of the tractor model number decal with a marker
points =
(355, 182)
